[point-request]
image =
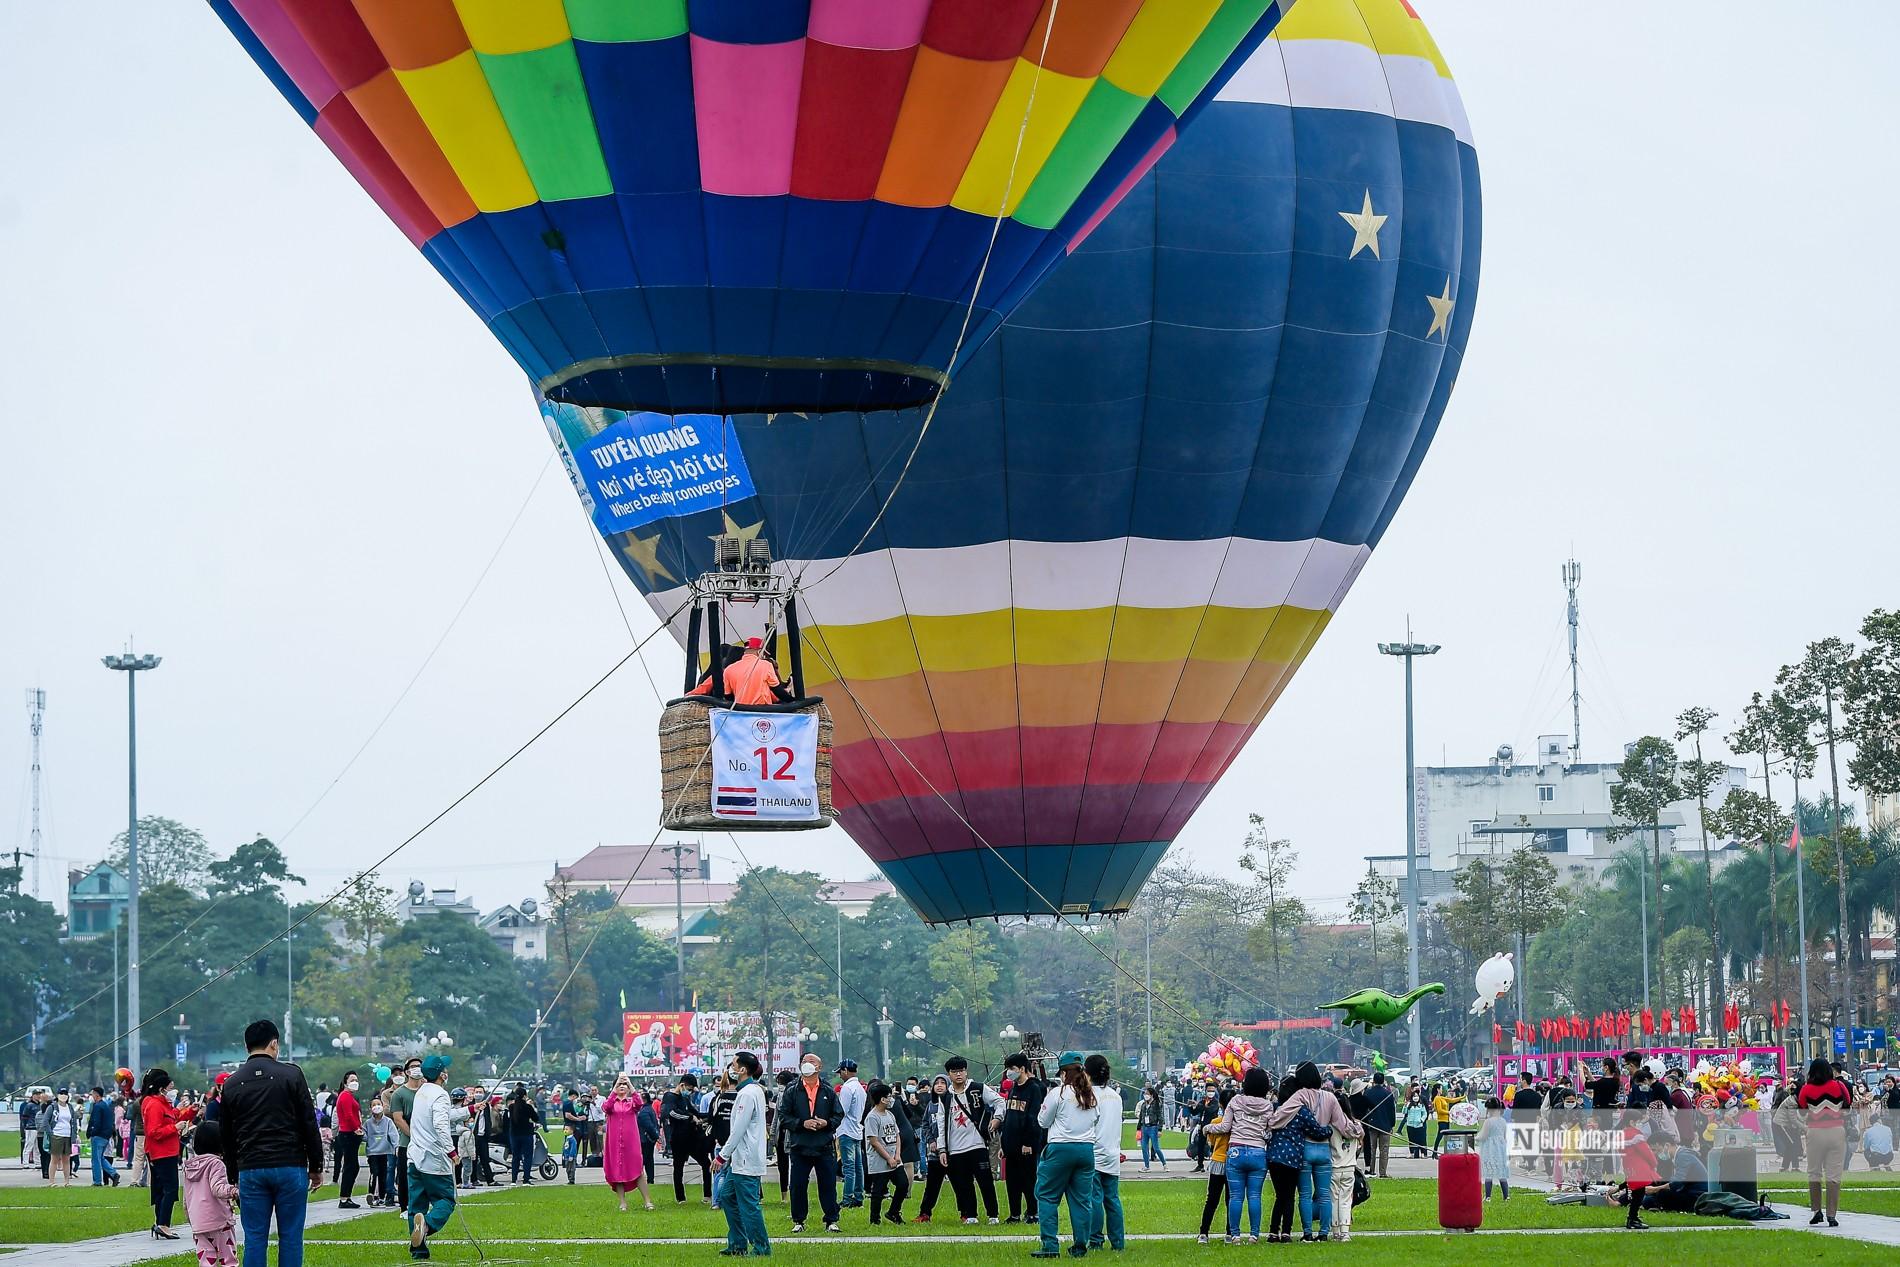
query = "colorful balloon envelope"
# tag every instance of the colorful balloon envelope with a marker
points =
(1139, 507)
(723, 205)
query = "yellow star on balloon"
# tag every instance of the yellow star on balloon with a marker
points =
(1441, 311)
(734, 530)
(1365, 228)
(644, 553)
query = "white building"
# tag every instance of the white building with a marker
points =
(518, 929)
(1549, 803)
(651, 891)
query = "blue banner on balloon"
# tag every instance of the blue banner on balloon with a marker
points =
(644, 467)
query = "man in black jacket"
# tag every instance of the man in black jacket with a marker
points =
(1381, 1119)
(272, 1150)
(811, 1111)
(1023, 1137)
(686, 1137)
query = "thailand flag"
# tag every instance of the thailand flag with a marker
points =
(736, 800)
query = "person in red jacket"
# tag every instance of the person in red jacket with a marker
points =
(349, 1138)
(160, 1114)
(1639, 1171)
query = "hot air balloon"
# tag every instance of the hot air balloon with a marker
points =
(720, 205)
(1045, 631)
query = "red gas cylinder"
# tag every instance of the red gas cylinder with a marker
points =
(1460, 1189)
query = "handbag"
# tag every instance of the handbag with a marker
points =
(1361, 1186)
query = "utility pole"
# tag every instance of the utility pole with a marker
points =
(1148, 982)
(1573, 573)
(35, 711)
(132, 665)
(1410, 651)
(838, 1015)
(679, 920)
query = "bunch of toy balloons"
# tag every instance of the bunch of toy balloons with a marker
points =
(1230, 1055)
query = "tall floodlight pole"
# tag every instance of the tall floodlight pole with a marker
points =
(132, 665)
(1573, 575)
(1411, 650)
(36, 717)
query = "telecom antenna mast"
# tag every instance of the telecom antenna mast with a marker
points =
(35, 710)
(1573, 573)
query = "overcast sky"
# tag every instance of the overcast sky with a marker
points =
(242, 422)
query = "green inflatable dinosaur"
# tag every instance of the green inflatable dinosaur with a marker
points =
(1374, 1009)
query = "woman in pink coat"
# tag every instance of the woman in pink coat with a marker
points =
(622, 1161)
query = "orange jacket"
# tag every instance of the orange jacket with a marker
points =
(751, 680)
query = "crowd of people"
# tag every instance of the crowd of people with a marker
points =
(249, 1151)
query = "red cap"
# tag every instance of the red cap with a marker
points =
(753, 644)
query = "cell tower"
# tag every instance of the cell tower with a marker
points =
(35, 712)
(1573, 573)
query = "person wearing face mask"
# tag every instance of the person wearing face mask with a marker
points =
(912, 1103)
(62, 1118)
(159, 1106)
(742, 1158)
(812, 1112)
(402, 1103)
(379, 1144)
(686, 1136)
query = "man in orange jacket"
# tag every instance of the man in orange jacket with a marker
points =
(753, 679)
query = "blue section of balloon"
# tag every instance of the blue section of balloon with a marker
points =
(1214, 361)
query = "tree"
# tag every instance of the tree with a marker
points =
(1819, 679)
(464, 983)
(169, 853)
(1699, 778)
(257, 867)
(1271, 862)
(1871, 703)
(766, 959)
(964, 966)
(1530, 902)
(1375, 903)
(29, 954)
(1645, 785)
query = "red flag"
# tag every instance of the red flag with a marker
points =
(1786, 1013)
(1576, 1025)
(1794, 838)
(1666, 1021)
(1623, 1023)
(1649, 1021)
(1497, 1034)
(1731, 1018)
(1686, 1019)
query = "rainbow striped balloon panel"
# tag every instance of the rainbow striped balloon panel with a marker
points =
(1139, 507)
(727, 205)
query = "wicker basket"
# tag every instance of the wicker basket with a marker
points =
(686, 766)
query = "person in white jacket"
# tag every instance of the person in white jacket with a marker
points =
(1072, 1116)
(432, 1123)
(741, 1162)
(1108, 1228)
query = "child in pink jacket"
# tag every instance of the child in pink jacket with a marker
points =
(209, 1193)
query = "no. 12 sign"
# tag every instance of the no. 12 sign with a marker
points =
(764, 766)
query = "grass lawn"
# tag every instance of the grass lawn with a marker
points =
(1887, 1203)
(1851, 1179)
(1740, 1247)
(45, 1216)
(588, 1213)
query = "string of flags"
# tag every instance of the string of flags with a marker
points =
(1620, 1024)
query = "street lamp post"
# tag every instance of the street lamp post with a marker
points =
(132, 665)
(884, 1023)
(1411, 650)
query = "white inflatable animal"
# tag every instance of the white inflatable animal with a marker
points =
(1495, 977)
